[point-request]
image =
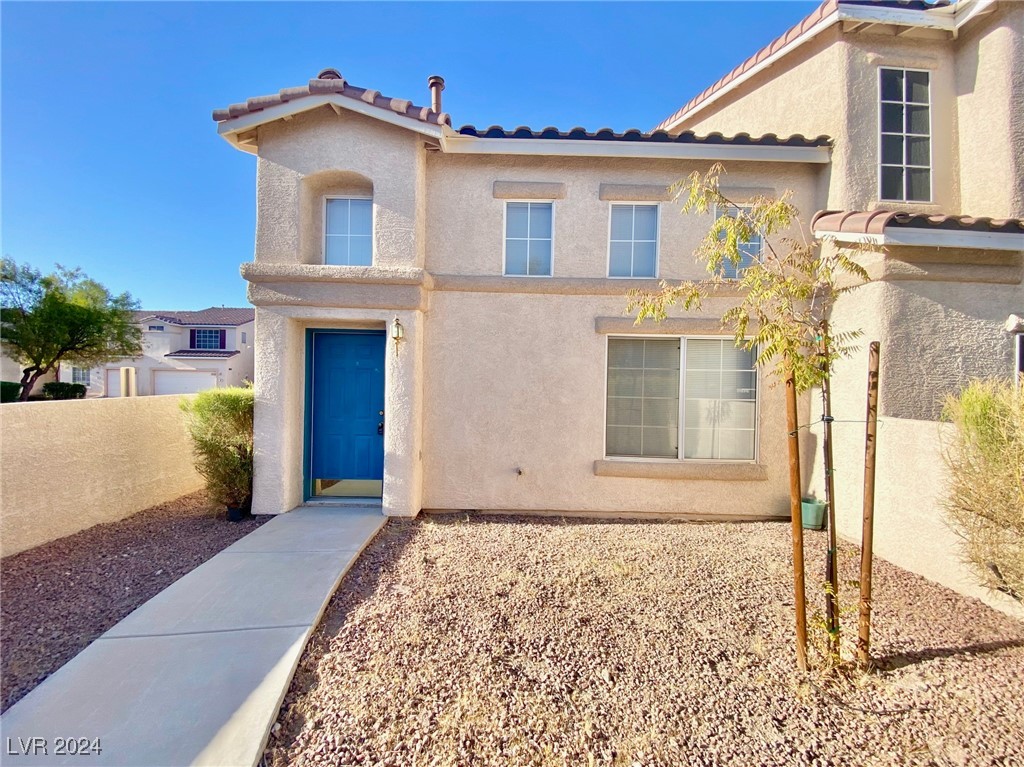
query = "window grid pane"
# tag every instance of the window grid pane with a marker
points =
(720, 401)
(643, 398)
(348, 232)
(905, 146)
(750, 250)
(633, 245)
(207, 339)
(528, 239)
(80, 376)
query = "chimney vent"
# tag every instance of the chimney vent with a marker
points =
(436, 85)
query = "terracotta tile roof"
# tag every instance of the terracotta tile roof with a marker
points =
(327, 82)
(821, 12)
(215, 315)
(876, 221)
(660, 136)
(218, 353)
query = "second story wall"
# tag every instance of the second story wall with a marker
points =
(467, 198)
(318, 154)
(989, 59)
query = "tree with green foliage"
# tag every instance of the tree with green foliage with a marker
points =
(786, 296)
(62, 317)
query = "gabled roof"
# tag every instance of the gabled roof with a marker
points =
(940, 14)
(219, 316)
(330, 83)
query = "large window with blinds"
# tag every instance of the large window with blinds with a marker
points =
(681, 398)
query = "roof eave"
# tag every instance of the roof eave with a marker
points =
(949, 18)
(232, 129)
(897, 236)
(460, 144)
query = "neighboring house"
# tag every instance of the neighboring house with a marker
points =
(12, 371)
(441, 310)
(183, 352)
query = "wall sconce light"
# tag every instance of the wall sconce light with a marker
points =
(397, 333)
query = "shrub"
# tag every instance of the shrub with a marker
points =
(9, 391)
(63, 390)
(220, 424)
(985, 502)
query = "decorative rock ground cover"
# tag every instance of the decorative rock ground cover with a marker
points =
(512, 641)
(57, 598)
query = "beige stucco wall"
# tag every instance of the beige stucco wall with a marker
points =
(321, 152)
(66, 466)
(830, 86)
(989, 57)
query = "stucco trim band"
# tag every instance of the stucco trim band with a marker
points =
(670, 326)
(559, 286)
(529, 190)
(891, 270)
(634, 192)
(351, 296)
(264, 272)
(719, 472)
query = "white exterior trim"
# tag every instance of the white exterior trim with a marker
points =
(932, 238)
(504, 239)
(657, 239)
(458, 144)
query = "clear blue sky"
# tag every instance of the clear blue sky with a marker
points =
(111, 162)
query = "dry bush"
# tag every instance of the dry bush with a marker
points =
(985, 502)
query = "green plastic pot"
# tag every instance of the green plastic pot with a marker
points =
(813, 513)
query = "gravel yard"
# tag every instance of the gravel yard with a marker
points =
(512, 641)
(56, 598)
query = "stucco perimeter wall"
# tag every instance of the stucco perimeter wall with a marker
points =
(990, 90)
(515, 386)
(321, 153)
(66, 466)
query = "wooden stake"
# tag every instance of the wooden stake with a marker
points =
(867, 534)
(831, 565)
(795, 493)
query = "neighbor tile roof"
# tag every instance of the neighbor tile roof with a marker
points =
(819, 13)
(327, 82)
(215, 315)
(203, 353)
(660, 136)
(876, 221)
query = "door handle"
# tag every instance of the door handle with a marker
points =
(380, 428)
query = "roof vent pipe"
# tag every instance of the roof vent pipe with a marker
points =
(436, 85)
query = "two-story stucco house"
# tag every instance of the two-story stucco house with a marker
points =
(441, 311)
(183, 352)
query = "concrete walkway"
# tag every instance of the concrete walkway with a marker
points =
(196, 675)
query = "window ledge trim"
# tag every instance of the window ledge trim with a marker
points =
(717, 471)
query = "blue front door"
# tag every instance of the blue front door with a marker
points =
(346, 409)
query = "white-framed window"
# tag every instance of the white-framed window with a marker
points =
(680, 398)
(207, 338)
(243, 338)
(80, 376)
(633, 240)
(348, 231)
(156, 327)
(905, 144)
(750, 250)
(528, 238)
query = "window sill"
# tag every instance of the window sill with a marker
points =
(697, 470)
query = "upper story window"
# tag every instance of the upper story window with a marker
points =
(750, 250)
(348, 231)
(633, 244)
(207, 338)
(156, 327)
(528, 228)
(80, 376)
(905, 172)
(717, 389)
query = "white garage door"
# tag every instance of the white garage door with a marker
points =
(113, 381)
(182, 381)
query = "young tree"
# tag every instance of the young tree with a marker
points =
(62, 317)
(787, 294)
